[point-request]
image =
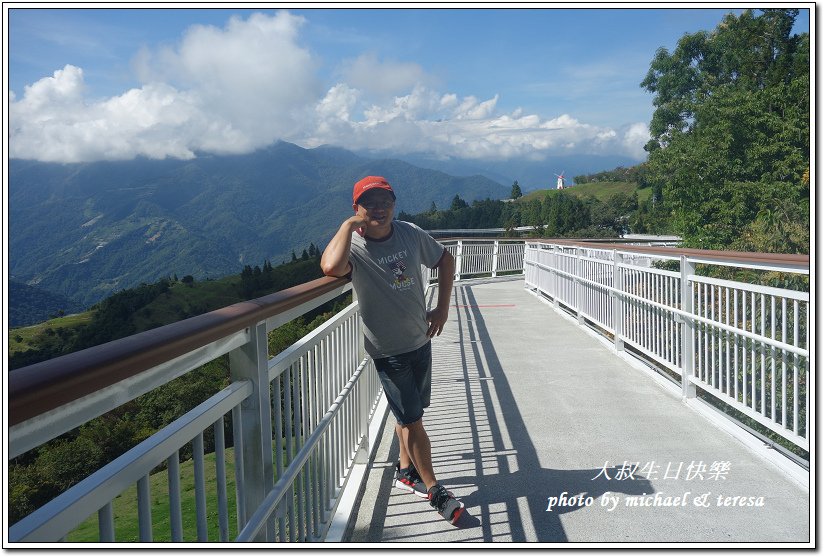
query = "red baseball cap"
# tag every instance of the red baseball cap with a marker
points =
(370, 183)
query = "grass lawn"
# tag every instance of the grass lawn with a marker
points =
(601, 191)
(125, 507)
(126, 527)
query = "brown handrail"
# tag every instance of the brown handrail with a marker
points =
(798, 261)
(44, 386)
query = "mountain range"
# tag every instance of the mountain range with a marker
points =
(83, 231)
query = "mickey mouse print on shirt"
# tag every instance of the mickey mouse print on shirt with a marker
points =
(397, 265)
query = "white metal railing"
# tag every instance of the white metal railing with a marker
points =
(300, 421)
(743, 344)
(480, 257)
(323, 417)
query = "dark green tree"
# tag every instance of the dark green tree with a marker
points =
(516, 191)
(458, 203)
(730, 134)
(564, 213)
(531, 215)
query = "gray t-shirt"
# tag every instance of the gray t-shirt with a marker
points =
(387, 278)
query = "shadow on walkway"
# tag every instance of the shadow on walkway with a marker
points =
(510, 441)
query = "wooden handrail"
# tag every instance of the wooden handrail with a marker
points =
(798, 261)
(44, 386)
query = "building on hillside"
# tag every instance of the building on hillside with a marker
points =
(560, 183)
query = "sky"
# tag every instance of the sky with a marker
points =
(475, 83)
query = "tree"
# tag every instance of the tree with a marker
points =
(458, 203)
(531, 213)
(730, 133)
(564, 214)
(516, 191)
(615, 212)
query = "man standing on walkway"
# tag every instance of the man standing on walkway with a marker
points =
(384, 258)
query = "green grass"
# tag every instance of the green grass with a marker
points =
(22, 338)
(125, 507)
(600, 190)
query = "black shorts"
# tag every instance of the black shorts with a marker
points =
(407, 382)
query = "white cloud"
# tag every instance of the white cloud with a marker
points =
(225, 90)
(444, 125)
(238, 88)
(634, 138)
(382, 79)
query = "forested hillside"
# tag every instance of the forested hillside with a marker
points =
(33, 305)
(152, 305)
(607, 210)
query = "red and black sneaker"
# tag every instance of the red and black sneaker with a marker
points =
(448, 507)
(409, 480)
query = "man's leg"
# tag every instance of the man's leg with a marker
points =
(403, 453)
(414, 442)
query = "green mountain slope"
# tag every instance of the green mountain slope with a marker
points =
(148, 306)
(88, 230)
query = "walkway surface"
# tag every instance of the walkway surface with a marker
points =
(548, 436)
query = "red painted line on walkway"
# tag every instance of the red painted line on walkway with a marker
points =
(488, 306)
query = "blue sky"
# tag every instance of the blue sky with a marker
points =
(90, 84)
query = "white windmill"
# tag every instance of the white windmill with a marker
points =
(560, 184)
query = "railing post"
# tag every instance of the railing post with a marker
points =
(362, 454)
(495, 259)
(687, 330)
(458, 259)
(579, 294)
(251, 362)
(364, 450)
(554, 278)
(618, 300)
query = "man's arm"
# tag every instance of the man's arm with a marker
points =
(446, 274)
(335, 259)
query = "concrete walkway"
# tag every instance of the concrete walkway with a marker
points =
(548, 436)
